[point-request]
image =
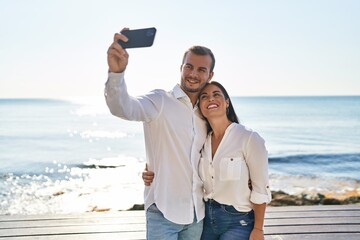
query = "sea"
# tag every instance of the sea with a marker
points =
(71, 155)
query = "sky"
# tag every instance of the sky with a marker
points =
(57, 48)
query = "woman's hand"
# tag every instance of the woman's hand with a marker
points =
(256, 234)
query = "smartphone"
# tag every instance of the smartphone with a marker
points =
(138, 38)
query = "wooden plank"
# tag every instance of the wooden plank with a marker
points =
(130, 220)
(73, 221)
(302, 222)
(339, 236)
(312, 221)
(91, 236)
(110, 225)
(70, 229)
(314, 213)
(301, 229)
(314, 208)
(87, 215)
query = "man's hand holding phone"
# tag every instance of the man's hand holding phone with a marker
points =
(118, 56)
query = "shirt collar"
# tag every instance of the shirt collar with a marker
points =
(178, 92)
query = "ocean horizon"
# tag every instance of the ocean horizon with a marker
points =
(72, 155)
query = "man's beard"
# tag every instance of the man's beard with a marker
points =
(191, 90)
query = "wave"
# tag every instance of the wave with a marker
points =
(317, 158)
(103, 134)
(111, 162)
(339, 166)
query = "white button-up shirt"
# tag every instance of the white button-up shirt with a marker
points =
(174, 135)
(240, 156)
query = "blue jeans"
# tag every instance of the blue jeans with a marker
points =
(224, 222)
(159, 228)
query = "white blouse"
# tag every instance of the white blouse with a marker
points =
(240, 156)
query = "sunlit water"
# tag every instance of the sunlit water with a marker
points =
(69, 156)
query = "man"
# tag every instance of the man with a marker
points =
(174, 135)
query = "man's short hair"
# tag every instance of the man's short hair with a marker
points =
(203, 51)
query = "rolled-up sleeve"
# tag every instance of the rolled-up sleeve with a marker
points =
(257, 160)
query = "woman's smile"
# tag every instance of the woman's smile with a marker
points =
(212, 106)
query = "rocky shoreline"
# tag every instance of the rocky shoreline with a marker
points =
(280, 198)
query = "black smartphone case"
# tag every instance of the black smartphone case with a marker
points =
(138, 38)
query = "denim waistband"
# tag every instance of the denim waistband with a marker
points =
(214, 203)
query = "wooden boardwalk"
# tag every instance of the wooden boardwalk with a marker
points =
(305, 222)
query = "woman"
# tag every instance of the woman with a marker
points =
(232, 154)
